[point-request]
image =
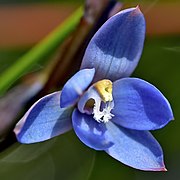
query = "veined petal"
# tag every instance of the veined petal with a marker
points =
(115, 49)
(44, 120)
(89, 131)
(75, 87)
(139, 105)
(138, 149)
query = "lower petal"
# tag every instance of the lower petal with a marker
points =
(138, 149)
(44, 120)
(89, 131)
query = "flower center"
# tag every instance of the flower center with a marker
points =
(102, 110)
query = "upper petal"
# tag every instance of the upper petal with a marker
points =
(139, 105)
(138, 149)
(89, 131)
(75, 87)
(44, 120)
(115, 49)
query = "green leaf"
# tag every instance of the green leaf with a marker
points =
(39, 52)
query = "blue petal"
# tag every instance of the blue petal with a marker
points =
(75, 87)
(89, 131)
(115, 49)
(139, 105)
(44, 120)
(138, 149)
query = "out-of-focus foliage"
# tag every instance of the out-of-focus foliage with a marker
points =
(62, 158)
(10, 56)
(40, 51)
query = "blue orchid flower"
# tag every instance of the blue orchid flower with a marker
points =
(107, 109)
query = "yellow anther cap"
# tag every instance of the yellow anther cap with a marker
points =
(104, 88)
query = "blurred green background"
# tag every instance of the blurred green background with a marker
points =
(65, 157)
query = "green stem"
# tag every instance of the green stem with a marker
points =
(42, 50)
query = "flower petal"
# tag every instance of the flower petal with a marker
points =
(139, 105)
(75, 87)
(89, 131)
(115, 49)
(138, 149)
(44, 120)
